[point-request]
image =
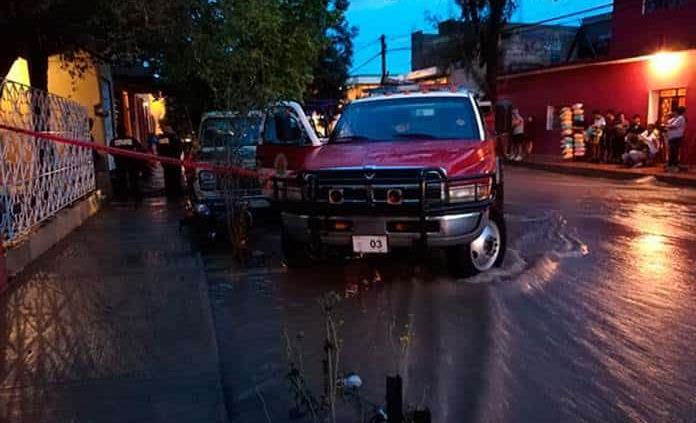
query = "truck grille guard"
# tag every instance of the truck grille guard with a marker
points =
(314, 205)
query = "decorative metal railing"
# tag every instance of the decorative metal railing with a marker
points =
(38, 177)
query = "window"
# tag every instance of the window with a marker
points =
(283, 127)
(228, 131)
(654, 5)
(669, 101)
(416, 118)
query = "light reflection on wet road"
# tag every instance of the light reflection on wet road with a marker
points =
(591, 318)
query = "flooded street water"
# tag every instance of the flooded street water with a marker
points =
(591, 318)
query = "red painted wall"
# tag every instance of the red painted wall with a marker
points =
(635, 33)
(624, 87)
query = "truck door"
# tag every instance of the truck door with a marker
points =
(287, 141)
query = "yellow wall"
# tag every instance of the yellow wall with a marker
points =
(84, 90)
(19, 72)
(158, 109)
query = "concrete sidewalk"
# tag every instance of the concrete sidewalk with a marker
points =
(113, 324)
(611, 171)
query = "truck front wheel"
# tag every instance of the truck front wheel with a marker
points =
(296, 254)
(483, 253)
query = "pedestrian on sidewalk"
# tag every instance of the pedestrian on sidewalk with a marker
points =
(127, 169)
(595, 136)
(675, 128)
(618, 144)
(517, 135)
(169, 145)
(529, 131)
(608, 136)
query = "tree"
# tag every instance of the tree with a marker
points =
(112, 30)
(245, 55)
(332, 69)
(479, 41)
(229, 54)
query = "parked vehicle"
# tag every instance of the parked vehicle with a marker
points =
(224, 138)
(402, 170)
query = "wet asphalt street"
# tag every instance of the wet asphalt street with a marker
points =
(591, 318)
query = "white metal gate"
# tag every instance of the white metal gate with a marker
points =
(39, 177)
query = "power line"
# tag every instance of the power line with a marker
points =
(568, 15)
(366, 45)
(363, 64)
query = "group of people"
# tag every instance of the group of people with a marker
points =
(612, 138)
(128, 171)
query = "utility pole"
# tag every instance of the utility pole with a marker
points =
(383, 43)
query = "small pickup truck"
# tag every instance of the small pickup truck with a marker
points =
(400, 170)
(224, 138)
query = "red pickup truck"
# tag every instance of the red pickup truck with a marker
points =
(400, 170)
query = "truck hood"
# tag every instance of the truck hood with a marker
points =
(454, 156)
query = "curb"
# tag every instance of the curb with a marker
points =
(204, 293)
(627, 174)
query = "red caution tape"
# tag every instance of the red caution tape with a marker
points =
(189, 164)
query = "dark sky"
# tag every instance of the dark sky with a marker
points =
(398, 18)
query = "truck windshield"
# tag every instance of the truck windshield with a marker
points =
(232, 131)
(416, 118)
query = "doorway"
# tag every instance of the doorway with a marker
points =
(669, 101)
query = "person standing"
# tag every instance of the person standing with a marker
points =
(595, 135)
(618, 145)
(675, 128)
(608, 137)
(529, 131)
(517, 135)
(127, 169)
(169, 145)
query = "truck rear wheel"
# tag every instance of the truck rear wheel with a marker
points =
(296, 254)
(483, 253)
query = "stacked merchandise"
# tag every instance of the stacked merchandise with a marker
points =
(572, 131)
(567, 143)
(578, 130)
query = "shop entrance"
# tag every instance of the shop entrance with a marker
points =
(669, 101)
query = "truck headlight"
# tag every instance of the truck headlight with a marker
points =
(478, 190)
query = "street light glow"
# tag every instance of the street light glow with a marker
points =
(665, 63)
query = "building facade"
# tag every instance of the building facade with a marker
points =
(648, 70)
(524, 47)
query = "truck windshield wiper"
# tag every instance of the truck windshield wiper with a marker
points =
(415, 135)
(350, 138)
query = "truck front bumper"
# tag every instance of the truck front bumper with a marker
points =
(441, 231)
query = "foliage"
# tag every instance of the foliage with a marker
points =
(305, 401)
(332, 351)
(250, 53)
(113, 30)
(226, 54)
(332, 69)
(477, 43)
